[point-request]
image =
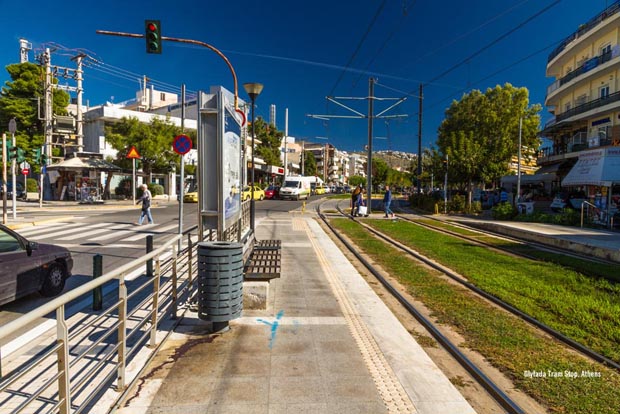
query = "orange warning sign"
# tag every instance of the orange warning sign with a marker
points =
(133, 153)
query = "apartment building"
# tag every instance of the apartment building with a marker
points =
(584, 98)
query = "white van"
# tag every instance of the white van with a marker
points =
(296, 188)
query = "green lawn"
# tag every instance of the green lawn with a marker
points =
(587, 310)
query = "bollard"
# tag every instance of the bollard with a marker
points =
(436, 208)
(98, 291)
(149, 249)
(303, 207)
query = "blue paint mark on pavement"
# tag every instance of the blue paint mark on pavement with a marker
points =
(274, 327)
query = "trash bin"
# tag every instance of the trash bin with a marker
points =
(525, 208)
(220, 282)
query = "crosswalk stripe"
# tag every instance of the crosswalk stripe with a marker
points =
(72, 230)
(96, 231)
(30, 231)
(150, 231)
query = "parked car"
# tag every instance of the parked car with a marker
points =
(9, 189)
(259, 194)
(191, 197)
(27, 267)
(272, 192)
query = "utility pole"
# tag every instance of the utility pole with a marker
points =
(358, 115)
(285, 143)
(420, 141)
(371, 100)
(12, 129)
(519, 162)
(47, 145)
(80, 90)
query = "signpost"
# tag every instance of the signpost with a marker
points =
(182, 144)
(12, 129)
(132, 155)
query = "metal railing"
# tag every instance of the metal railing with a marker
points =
(69, 368)
(585, 28)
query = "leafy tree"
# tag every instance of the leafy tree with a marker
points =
(270, 142)
(379, 171)
(153, 141)
(355, 180)
(309, 164)
(480, 133)
(20, 98)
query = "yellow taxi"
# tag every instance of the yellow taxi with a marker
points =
(191, 197)
(259, 194)
(320, 189)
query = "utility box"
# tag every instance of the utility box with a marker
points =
(220, 282)
(525, 208)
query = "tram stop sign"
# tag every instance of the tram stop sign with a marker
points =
(25, 171)
(182, 144)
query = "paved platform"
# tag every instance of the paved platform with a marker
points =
(326, 344)
(595, 242)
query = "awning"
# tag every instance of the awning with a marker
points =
(549, 169)
(598, 167)
(83, 163)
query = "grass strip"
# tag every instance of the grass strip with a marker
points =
(585, 309)
(554, 375)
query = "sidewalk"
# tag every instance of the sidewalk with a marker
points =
(326, 344)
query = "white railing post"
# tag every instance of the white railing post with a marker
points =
(154, 318)
(175, 293)
(122, 334)
(62, 337)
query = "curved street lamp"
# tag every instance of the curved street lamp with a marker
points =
(253, 90)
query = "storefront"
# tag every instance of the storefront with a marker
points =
(78, 178)
(597, 174)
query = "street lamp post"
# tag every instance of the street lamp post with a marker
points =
(253, 90)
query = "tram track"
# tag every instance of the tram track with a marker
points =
(595, 356)
(488, 385)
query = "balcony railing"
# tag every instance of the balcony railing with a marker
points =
(597, 103)
(586, 67)
(585, 28)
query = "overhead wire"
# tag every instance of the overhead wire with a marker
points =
(359, 45)
(495, 41)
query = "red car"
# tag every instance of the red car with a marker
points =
(272, 192)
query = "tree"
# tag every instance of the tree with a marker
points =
(20, 98)
(355, 180)
(480, 133)
(270, 142)
(309, 164)
(153, 141)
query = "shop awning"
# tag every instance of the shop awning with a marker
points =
(83, 163)
(597, 167)
(549, 169)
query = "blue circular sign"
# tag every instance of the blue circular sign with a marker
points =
(182, 144)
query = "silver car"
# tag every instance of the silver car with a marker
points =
(27, 267)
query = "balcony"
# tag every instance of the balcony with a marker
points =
(585, 28)
(588, 65)
(588, 106)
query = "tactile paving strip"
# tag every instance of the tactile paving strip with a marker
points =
(393, 394)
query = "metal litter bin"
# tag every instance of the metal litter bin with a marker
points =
(220, 282)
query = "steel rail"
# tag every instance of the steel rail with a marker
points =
(504, 305)
(498, 395)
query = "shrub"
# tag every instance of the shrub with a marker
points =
(456, 204)
(155, 189)
(124, 188)
(32, 186)
(503, 211)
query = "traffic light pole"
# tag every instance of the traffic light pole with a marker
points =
(13, 167)
(3, 178)
(189, 41)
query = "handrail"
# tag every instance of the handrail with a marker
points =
(67, 297)
(63, 361)
(589, 204)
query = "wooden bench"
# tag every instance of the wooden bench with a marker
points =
(264, 261)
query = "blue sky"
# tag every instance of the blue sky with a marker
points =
(305, 51)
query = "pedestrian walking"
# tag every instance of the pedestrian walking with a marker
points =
(146, 205)
(387, 200)
(355, 196)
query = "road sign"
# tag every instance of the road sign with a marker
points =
(12, 126)
(133, 153)
(25, 171)
(182, 144)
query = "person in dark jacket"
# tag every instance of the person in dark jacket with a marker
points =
(146, 205)
(387, 200)
(355, 196)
